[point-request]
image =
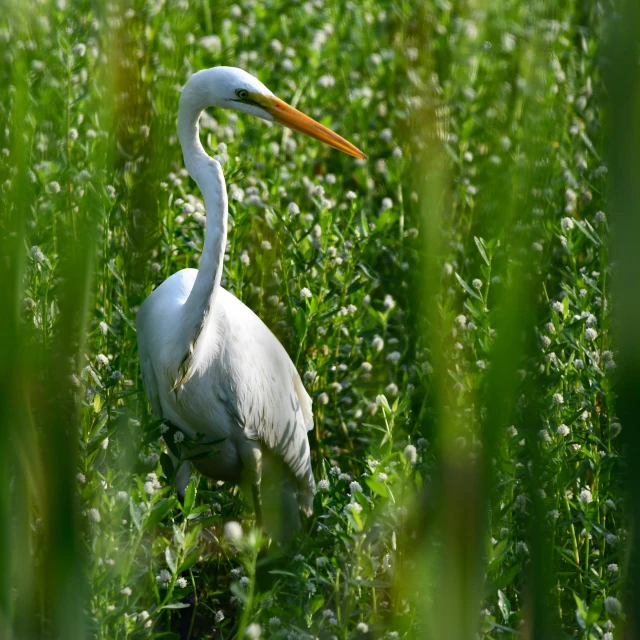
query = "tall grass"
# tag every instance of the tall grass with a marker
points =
(456, 340)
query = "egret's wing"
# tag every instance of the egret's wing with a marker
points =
(262, 389)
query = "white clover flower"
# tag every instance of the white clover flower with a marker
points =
(388, 303)
(394, 356)
(323, 485)
(586, 496)
(219, 617)
(563, 430)
(321, 561)
(323, 398)
(72, 134)
(481, 364)
(386, 204)
(410, 454)
(386, 135)
(613, 606)
(354, 506)
(557, 307)
(600, 217)
(149, 488)
(567, 224)
(178, 437)
(53, 187)
(266, 245)
(508, 42)
(143, 615)
(366, 366)
(590, 334)
(544, 435)
(377, 343)
(326, 81)
(612, 568)
(80, 477)
(382, 477)
(520, 502)
(293, 209)
(350, 195)
(305, 293)
(558, 398)
(244, 258)
(362, 627)
(233, 532)
(274, 622)
(122, 496)
(126, 591)
(94, 515)
(355, 486)
(546, 341)
(163, 578)
(391, 389)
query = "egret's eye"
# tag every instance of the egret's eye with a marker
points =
(243, 94)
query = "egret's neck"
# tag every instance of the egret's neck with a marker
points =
(208, 175)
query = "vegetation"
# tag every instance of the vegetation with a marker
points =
(447, 302)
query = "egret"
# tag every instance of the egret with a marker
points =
(209, 365)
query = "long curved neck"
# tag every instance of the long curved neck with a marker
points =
(208, 175)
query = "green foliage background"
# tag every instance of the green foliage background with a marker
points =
(471, 407)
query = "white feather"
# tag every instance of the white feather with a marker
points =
(209, 364)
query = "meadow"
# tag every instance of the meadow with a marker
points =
(448, 303)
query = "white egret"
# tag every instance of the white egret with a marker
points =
(210, 366)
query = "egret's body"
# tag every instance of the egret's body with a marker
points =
(210, 366)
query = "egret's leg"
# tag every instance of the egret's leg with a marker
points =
(182, 480)
(257, 502)
(251, 456)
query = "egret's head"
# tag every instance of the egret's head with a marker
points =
(232, 88)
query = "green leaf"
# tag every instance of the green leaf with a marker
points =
(504, 580)
(190, 560)
(595, 610)
(589, 232)
(468, 289)
(377, 487)
(581, 612)
(176, 605)
(480, 244)
(189, 497)
(316, 603)
(170, 557)
(97, 403)
(137, 514)
(504, 605)
(159, 512)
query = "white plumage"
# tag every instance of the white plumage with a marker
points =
(210, 366)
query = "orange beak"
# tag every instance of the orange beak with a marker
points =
(286, 115)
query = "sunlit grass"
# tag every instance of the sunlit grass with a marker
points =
(446, 302)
